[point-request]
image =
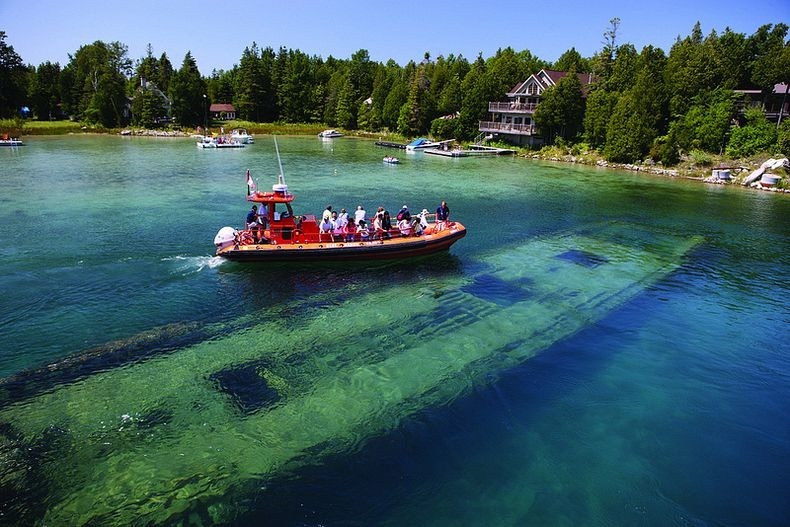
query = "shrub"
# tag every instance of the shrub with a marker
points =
(758, 135)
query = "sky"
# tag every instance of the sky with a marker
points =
(217, 32)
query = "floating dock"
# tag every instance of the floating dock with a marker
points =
(474, 150)
(389, 144)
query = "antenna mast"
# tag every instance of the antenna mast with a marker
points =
(281, 177)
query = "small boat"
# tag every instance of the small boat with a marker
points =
(286, 237)
(328, 134)
(241, 135)
(392, 160)
(421, 143)
(11, 141)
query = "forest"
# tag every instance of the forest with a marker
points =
(643, 104)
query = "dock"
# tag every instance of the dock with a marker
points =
(389, 144)
(474, 150)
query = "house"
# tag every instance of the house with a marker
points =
(512, 120)
(776, 104)
(222, 111)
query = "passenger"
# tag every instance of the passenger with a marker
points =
(326, 227)
(404, 226)
(254, 224)
(386, 223)
(362, 230)
(349, 230)
(252, 217)
(327, 213)
(423, 218)
(404, 214)
(343, 216)
(378, 230)
(337, 232)
(442, 216)
(416, 227)
(359, 214)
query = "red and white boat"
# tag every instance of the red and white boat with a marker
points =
(287, 237)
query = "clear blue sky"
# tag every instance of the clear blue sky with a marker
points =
(216, 32)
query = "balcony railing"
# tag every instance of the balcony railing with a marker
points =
(512, 107)
(507, 128)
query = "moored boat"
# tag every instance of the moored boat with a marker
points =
(286, 237)
(328, 134)
(11, 141)
(241, 135)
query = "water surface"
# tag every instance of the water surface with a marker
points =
(663, 403)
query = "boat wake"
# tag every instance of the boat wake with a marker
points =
(194, 264)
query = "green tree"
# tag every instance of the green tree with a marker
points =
(413, 116)
(627, 131)
(603, 62)
(148, 106)
(13, 79)
(165, 73)
(45, 91)
(345, 111)
(248, 85)
(478, 90)
(220, 86)
(571, 60)
(639, 116)
(783, 138)
(561, 109)
(397, 97)
(706, 125)
(599, 109)
(188, 93)
(757, 135)
(97, 74)
(771, 56)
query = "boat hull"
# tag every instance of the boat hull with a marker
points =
(376, 250)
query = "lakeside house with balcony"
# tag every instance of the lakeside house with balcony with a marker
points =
(513, 120)
(775, 105)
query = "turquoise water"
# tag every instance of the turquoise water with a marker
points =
(509, 382)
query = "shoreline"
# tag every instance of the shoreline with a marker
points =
(684, 170)
(692, 173)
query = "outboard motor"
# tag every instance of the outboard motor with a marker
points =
(225, 237)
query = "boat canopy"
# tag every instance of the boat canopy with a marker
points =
(419, 141)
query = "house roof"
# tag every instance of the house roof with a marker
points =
(221, 107)
(547, 78)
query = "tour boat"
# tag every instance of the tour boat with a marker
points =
(286, 237)
(328, 134)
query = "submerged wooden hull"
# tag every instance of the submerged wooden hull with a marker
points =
(392, 249)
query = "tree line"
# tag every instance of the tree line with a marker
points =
(641, 104)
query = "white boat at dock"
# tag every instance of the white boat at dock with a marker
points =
(241, 135)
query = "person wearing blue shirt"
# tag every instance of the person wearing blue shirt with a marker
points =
(442, 216)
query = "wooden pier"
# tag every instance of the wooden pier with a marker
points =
(389, 144)
(474, 150)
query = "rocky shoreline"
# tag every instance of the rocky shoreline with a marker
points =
(154, 133)
(695, 173)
